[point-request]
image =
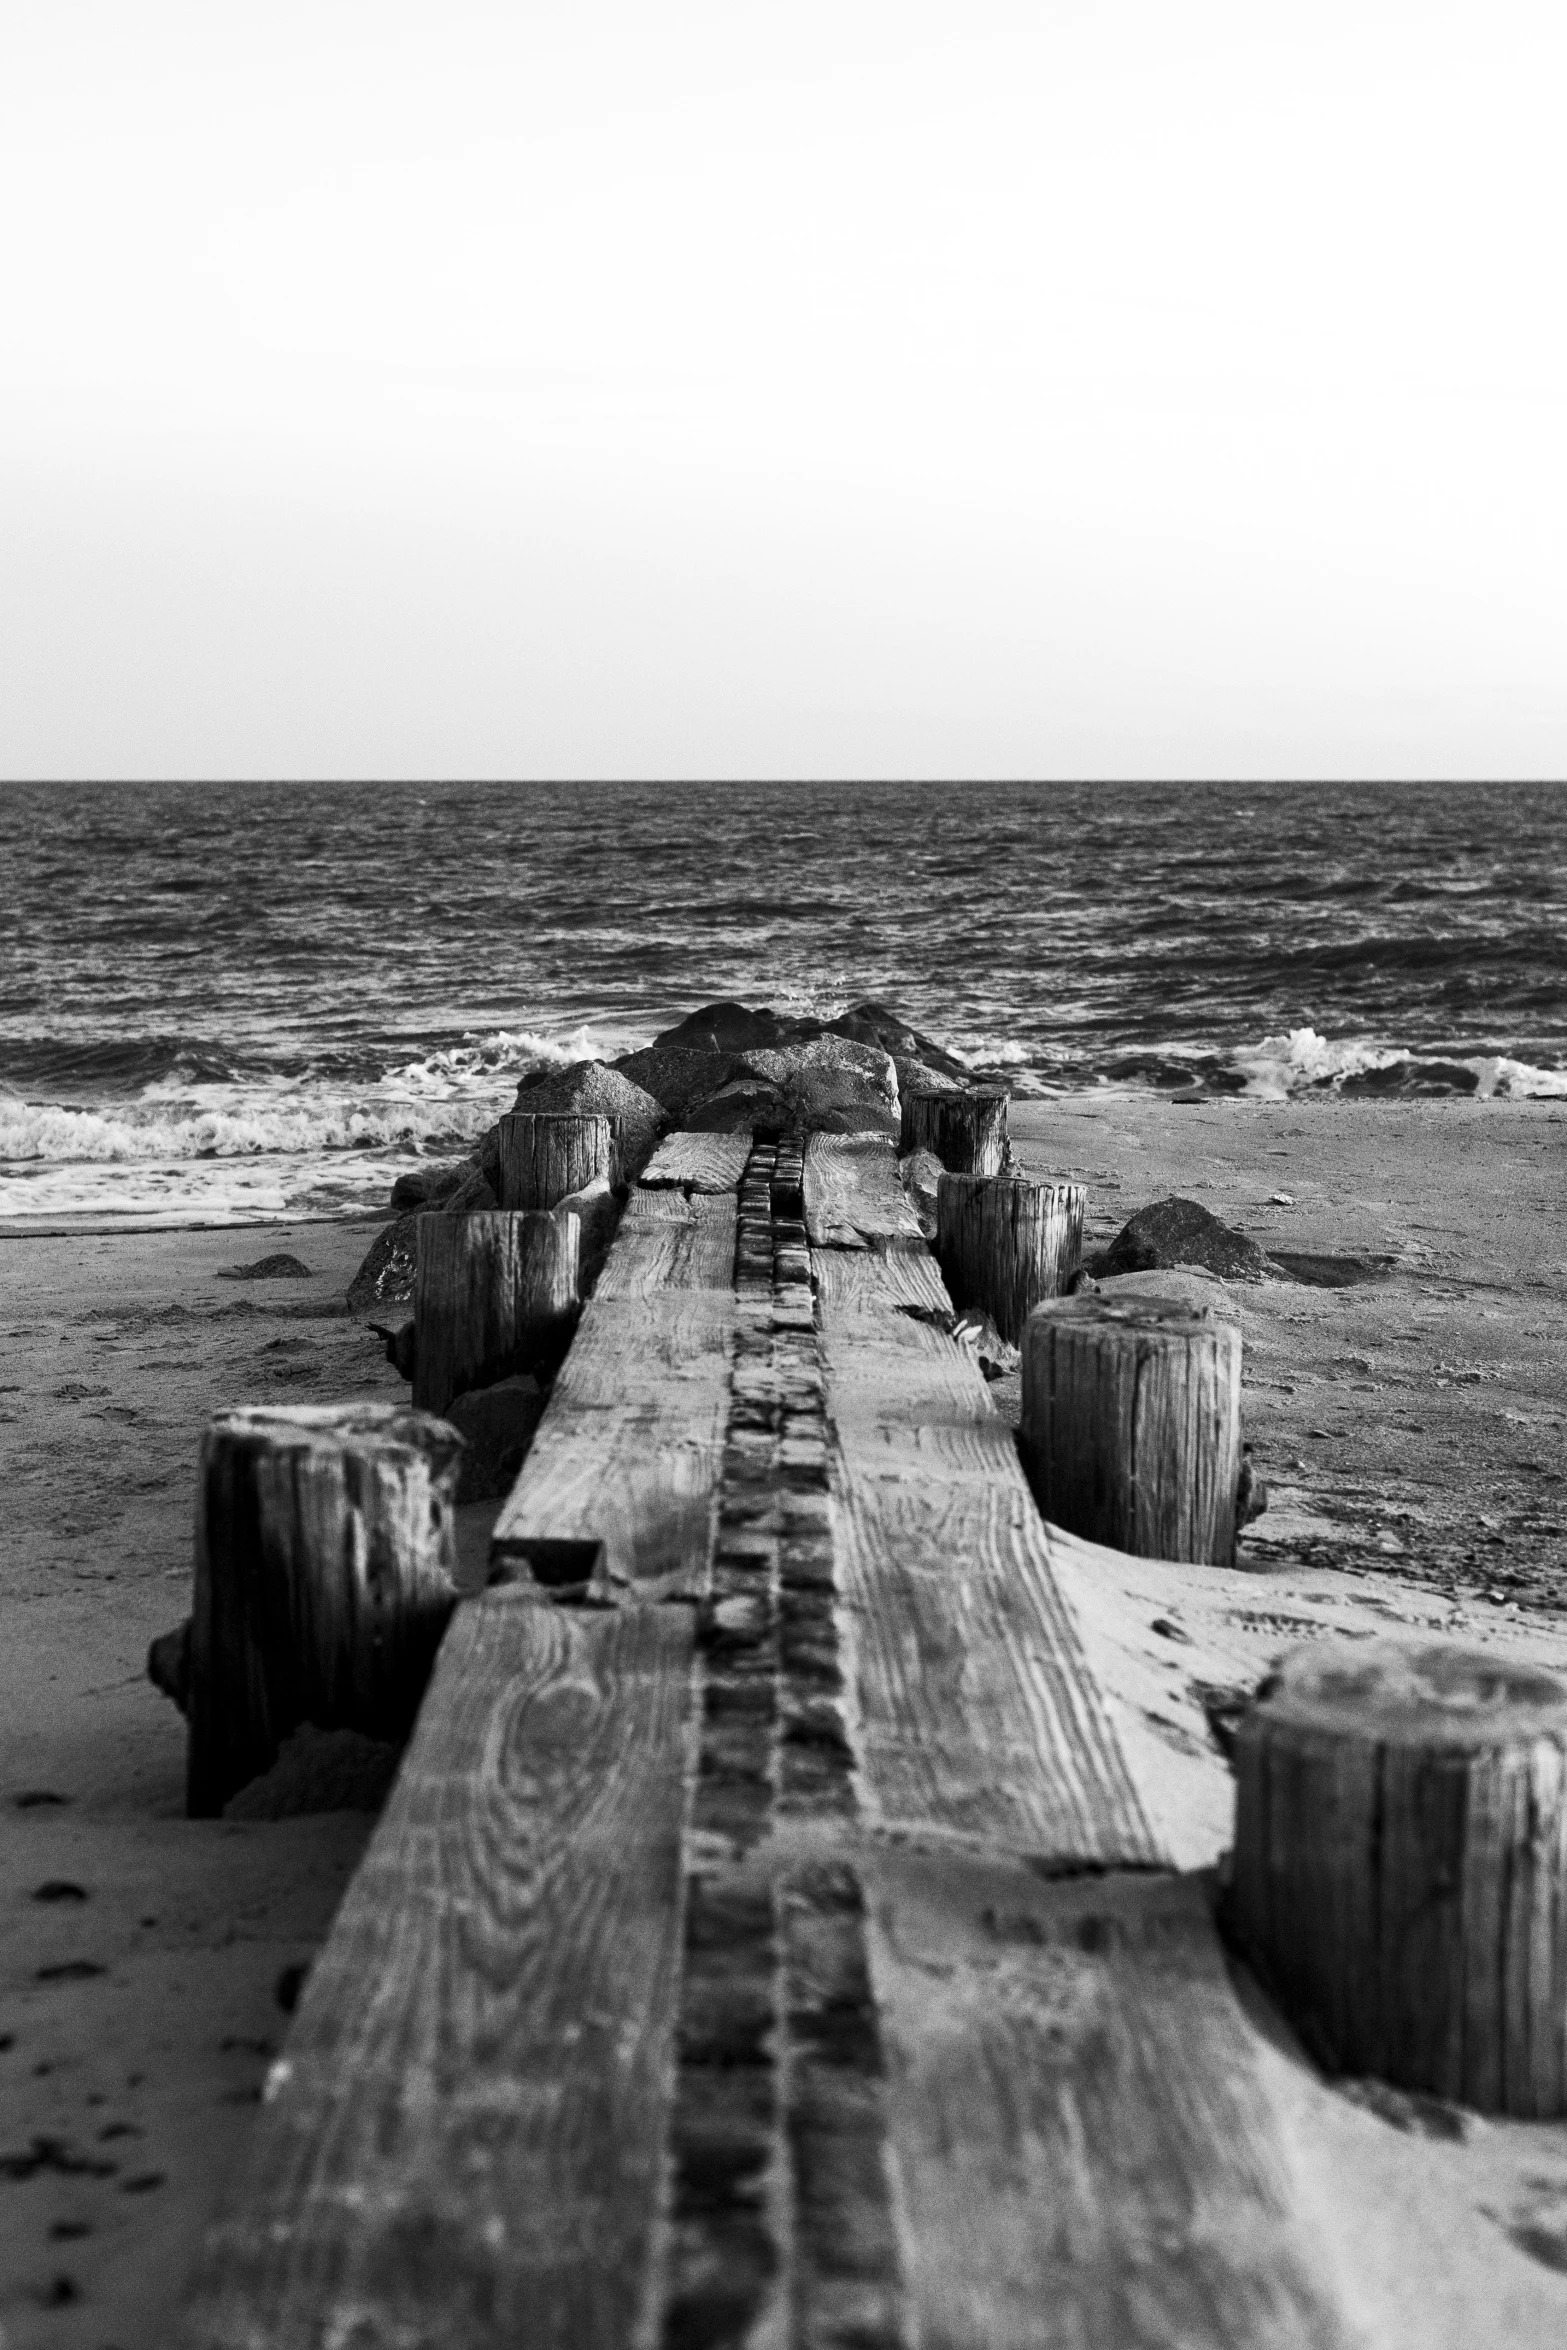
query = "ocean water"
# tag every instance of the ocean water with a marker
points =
(222, 1003)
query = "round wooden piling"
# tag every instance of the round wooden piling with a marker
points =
(966, 1131)
(1131, 1423)
(1400, 1871)
(1005, 1243)
(547, 1155)
(494, 1293)
(325, 1554)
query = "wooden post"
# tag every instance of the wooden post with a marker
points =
(967, 1131)
(1131, 1423)
(325, 1552)
(1401, 1865)
(1006, 1243)
(493, 1293)
(547, 1155)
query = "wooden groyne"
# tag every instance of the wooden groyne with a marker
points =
(764, 1941)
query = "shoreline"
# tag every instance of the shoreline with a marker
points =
(137, 2022)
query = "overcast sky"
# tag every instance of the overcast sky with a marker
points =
(656, 387)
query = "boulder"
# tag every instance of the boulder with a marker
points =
(386, 1278)
(679, 1078)
(428, 1187)
(736, 1028)
(920, 1077)
(595, 1090)
(1181, 1232)
(832, 1083)
(497, 1424)
(276, 1268)
(879, 1024)
(746, 1105)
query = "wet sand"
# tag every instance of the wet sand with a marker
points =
(1413, 1432)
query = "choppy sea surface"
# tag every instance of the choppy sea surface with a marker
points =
(221, 1003)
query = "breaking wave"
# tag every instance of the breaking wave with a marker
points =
(1304, 1062)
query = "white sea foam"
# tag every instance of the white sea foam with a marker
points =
(1302, 1061)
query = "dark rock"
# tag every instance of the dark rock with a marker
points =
(386, 1278)
(592, 1089)
(879, 1024)
(1181, 1232)
(832, 1083)
(319, 1771)
(678, 1079)
(427, 1187)
(168, 1665)
(736, 1028)
(399, 1344)
(497, 1425)
(474, 1191)
(278, 1268)
(920, 1077)
(746, 1105)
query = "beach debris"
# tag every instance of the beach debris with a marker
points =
(1281, 1199)
(965, 1130)
(399, 1346)
(593, 1089)
(59, 1889)
(279, 1267)
(1168, 1629)
(1130, 1423)
(1005, 1244)
(325, 1558)
(36, 1798)
(497, 1425)
(1396, 1952)
(977, 1334)
(1176, 1231)
(168, 1665)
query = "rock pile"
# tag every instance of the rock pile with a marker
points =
(725, 1068)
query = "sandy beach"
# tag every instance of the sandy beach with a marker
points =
(1411, 1428)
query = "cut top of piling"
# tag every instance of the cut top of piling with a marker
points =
(1426, 1694)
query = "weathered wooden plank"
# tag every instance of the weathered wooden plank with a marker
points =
(463, 2143)
(687, 1241)
(1086, 2155)
(908, 1282)
(627, 1456)
(975, 1711)
(699, 1162)
(853, 1195)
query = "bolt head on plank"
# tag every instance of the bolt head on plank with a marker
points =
(1400, 1872)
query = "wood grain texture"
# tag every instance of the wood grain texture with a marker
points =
(853, 1195)
(493, 1293)
(1131, 1424)
(462, 2144)
(627, 1456)
(1005, 1244)
(698, 1162)
(1086, 2155)
(966, 1130)
(684, 1241)
(1401, 1865)
(326, 1553)
(905, 1282)
(975, 1713)
(546, 1155)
